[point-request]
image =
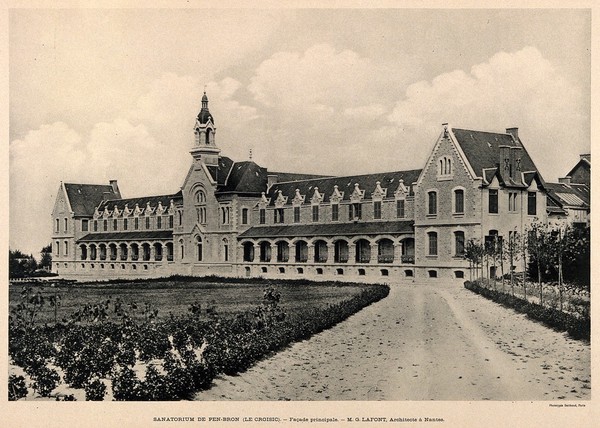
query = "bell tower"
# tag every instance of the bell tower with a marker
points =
(205, 149)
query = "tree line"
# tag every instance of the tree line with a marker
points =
(21, 265)
(544, 254)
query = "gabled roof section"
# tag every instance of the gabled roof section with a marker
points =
(220, 171)
(142, 202)
(245, 177)
(84, 198)
(482, 149)
(568, 195)
(367, 182)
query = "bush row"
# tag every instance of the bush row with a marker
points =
(181, 355)
(578, 328)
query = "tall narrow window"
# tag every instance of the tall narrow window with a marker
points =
(171, 222)
(125, 224)
(278, 215)
(66, 225)
(459, 243)
(57, 225)
(57, 248)
(262, 216)
(159, 222)
(433, 244)
(531, 203)
(244, 215)
(136, 223)
(355, 211)
(84, 225)
(493, 201)
(66, 248)
(400, 208)
(95, 225)
(105, 225)
(180, 218)
(198, 248)
(115, 224)
(459, 201)
(335, 212)
(377, 209)
(315, 213)
(296, 214)
(432, 203)
(147, 222)
(512, 201)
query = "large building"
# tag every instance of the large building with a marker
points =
(239, 219)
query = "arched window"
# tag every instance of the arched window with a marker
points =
(433, 243)
(181, 249)
(200, 197)
(459, 201)
(207, 141)
(225, 250)
(432, 202)
(198, 248)
(459, 243)
(445, 167)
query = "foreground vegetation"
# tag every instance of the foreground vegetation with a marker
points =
(106, 351)
(576, 322)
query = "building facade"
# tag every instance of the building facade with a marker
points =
(239, 219)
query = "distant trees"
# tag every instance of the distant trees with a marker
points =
(21, 265)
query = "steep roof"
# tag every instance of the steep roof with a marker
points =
(220, 171)
(330, 229)
(366, 182)
(245, 177)
(569, 194)
(142, 201)
(84, 198)
(482, 149)
(293, 176)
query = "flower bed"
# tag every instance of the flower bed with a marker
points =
(577, 327)
(179, 355)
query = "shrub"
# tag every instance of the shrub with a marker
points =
(16, 387)
(577, 327)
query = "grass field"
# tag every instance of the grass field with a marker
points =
(176, 297)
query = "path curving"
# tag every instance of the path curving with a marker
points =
(423, 342)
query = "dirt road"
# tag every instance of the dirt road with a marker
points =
(423, 342)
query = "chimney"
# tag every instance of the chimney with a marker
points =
(504, 161)
(514, 132)
(515, 164)
(271, 179)
(565, 180)
(115, 188)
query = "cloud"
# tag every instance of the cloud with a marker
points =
(510, 89)
(146, 149)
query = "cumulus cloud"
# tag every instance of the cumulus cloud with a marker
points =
(146, 149)
(510, 89)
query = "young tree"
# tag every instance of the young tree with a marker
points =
(474, 254)
(46, 257)
(511, 251)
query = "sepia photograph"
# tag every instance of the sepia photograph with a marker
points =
(248, 205)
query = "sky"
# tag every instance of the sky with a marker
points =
(107, 94)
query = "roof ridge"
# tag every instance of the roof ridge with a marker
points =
(483, 132)
(327, 177)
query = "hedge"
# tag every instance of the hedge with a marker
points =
(578, 328)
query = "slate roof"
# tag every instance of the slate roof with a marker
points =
(283, 177)
(220, 172)
(245, 177)
(482, 149)
(165, 200)
(126, 236)
(84, 198)
(366, 182)
(330, 229)
(585, 162)
(568, 194)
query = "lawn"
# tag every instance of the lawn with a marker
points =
(176, 297)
